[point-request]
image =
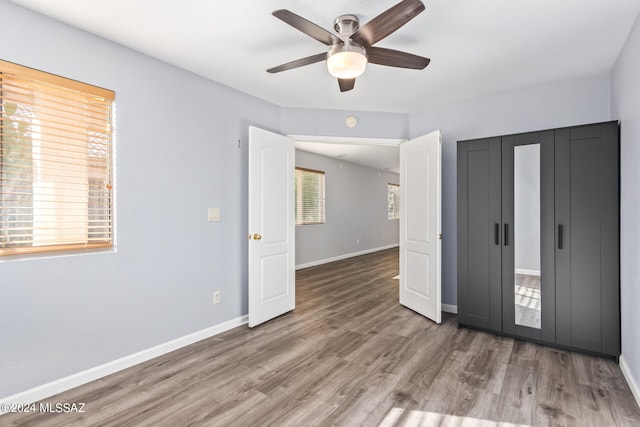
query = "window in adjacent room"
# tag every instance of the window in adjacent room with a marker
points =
(309, 196)
(393, 201)
(55, 163)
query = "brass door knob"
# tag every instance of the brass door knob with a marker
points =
(257, 236)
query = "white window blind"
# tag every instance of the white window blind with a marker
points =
(55, 163)
(393, 201)
(309, 196)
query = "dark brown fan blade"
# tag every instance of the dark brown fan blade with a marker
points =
(387, 22)
(298, 63)
(346, 84)
(307, 27)
(396, 58)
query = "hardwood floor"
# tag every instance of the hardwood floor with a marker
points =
(528, 309)
(350, 355)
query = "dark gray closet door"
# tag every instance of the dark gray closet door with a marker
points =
(528, 284)
(479, 222)
(587, 238)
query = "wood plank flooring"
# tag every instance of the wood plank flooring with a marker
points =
(528, 309)
(350, 355)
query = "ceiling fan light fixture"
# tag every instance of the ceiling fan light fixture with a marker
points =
(353, 47)
(346, 61)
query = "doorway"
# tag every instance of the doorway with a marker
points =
(416, 165)
(419, 223)
(356, 173)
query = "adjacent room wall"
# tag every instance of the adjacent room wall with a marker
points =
(571, 102)
(318, 122)
(340, 235)
(625, 106)
(181, 148)
(356, 212)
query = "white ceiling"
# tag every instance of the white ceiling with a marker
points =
(380, 154)
(477, 48)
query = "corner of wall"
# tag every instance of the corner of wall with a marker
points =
(628, 375)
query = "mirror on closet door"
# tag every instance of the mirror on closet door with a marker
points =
(526, 191)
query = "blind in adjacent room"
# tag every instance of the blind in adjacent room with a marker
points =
(309, 197)
(55, 163)
(393, 201)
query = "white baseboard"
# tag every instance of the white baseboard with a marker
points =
(345, 256)
(527, 272)
(449, 308)
(63, 384)
(633, 384)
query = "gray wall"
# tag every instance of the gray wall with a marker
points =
(625, 106)
(177, 154)
(356, 211)
(559, 104)
(317, 122)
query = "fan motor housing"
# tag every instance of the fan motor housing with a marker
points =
(346, 25)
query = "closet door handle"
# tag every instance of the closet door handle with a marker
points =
(497, 235)
(506, 234)
(560, 232)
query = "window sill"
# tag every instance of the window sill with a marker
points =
(58, 254)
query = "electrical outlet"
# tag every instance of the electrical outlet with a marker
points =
(216, 297)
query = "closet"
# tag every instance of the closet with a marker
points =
(538, 236)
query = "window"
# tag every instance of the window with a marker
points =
(393, 201)
(309, 196)
(55, 163)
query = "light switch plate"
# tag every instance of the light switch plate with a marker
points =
(214, 214)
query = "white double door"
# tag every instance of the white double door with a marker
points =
(272, 225)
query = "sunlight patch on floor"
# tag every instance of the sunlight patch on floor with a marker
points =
(413, 418)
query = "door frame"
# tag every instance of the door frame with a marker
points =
(359, 141)
(394, 142)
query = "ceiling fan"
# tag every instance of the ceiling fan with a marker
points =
(351, 50)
